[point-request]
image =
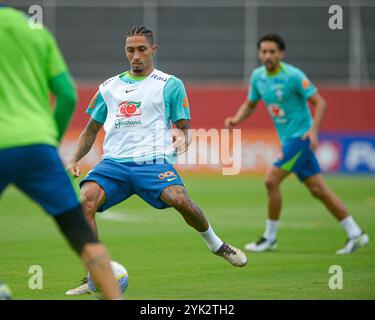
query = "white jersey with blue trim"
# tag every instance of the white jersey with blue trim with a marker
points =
(136, 127)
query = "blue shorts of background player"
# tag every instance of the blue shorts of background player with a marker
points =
(298, 158)
(120, 180)
(37, 170)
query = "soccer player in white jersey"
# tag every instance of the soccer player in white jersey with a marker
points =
(137, 109)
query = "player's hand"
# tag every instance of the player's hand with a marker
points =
(74, 169)
(180, 143)
(313, 136)
(230, 122)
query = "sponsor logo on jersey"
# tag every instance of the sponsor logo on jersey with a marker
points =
(156, 77)
(127, 123)
(169, 175)
(129, 109)
(276, 111)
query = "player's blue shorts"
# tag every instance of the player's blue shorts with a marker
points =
(120, 180)
(37, 170)
(299, 158)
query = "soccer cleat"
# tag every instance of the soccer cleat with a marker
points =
(235, 256)
(354, 244)
(82, 289)
(261, 245)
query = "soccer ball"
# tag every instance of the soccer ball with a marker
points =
(121, 275)
(5, 292)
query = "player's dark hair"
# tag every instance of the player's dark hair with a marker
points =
(275, 38)
(140, 31)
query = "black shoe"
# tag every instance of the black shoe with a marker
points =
(261, 245)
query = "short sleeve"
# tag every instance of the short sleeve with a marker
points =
(97, 108)
(176, 99)
(253, 93)
(304, 86)
(56, 63)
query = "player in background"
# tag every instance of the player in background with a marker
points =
(31, 66)
(286, 90)
(136, 109)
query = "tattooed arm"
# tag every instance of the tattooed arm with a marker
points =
(85, 142)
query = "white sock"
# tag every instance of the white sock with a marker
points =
(351, 227)
(271, 229)
(212, 240)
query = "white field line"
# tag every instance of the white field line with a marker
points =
(131, 217)
(128, 217)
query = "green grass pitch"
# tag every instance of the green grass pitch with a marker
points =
(166, 259)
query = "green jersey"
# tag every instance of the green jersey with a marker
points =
(29, 60)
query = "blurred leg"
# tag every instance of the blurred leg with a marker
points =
(97, 261)
(321, 191)
(273, 179)
(82, 239)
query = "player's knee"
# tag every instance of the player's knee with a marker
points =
(89, 208)
(317, 191)
(88, 204)
(181, 202)
(178, 199)
(271, 183)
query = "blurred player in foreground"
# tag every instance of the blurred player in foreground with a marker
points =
(285, 90)
(31, 66)
(137, 109)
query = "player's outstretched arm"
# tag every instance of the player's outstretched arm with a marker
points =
(85, 142)
(244, 111)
